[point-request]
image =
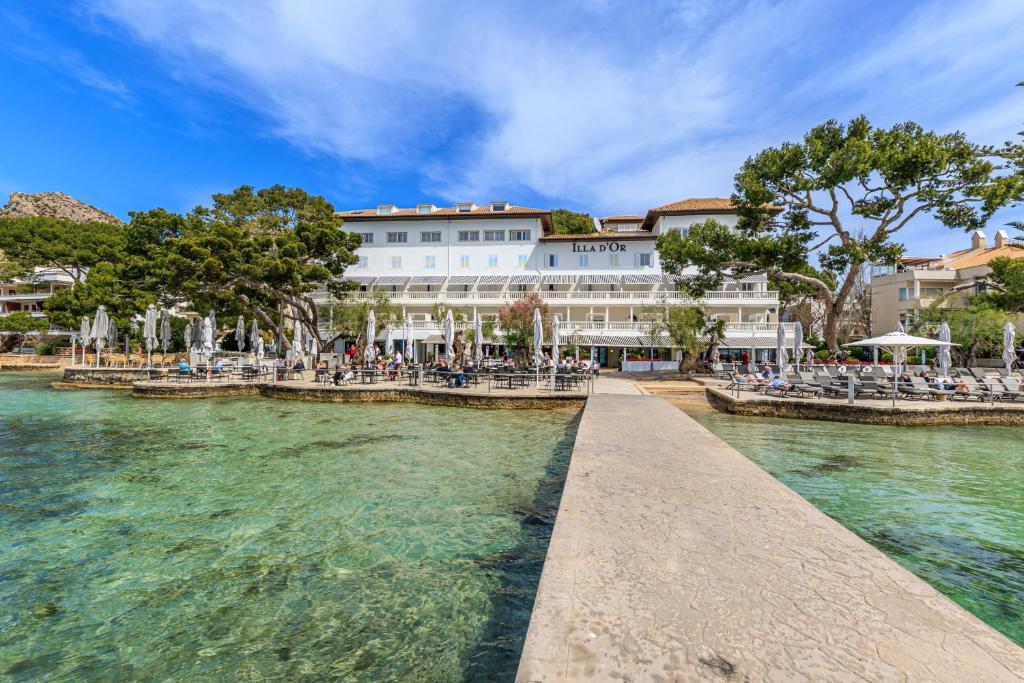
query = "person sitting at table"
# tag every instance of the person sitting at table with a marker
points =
(299, 366)
(456, 378)
(183, 367)
(218, 367)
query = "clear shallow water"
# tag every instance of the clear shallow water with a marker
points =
(268, 540)
(945, 502)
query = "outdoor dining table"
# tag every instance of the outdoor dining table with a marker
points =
(369, 375)
(510, 380)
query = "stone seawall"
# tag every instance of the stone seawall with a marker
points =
(103, 377)
(675, 558)
(356, 394)
(912, 414)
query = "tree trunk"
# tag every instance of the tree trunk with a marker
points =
(834, 313)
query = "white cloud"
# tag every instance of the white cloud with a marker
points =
(606, 105)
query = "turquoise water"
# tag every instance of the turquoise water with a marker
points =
(251, 539)
(945, 502)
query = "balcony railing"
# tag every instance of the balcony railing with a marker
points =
(620, 296)
(591, 326)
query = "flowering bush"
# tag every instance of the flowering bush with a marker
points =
(516, 321)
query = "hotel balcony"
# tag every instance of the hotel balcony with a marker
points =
(581, 297)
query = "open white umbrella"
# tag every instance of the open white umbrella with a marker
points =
(449, 337)
(240, 333)
(898, 342)
(554, 338)
(369, 354)
(1009, 349)
(84, 332)
(149, 332)
(478, 340)
(410, 345)
(538, 338)
(798, 343)
(780, 347)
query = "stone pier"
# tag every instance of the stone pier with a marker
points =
(675, 558)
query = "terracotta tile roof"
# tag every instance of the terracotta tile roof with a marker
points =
(969, 258)
(698, 204)
(623, 219)
(449, 212)
(611, 235)
(440, 212)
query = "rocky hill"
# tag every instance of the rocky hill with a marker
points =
(56, 205)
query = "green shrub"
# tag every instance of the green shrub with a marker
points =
(886, 357)
(823, 354)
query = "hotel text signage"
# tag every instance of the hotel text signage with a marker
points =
(612, 246)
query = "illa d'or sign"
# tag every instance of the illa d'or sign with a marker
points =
(613, 246)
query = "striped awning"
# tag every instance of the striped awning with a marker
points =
(426, 279)
(749, 342)
(557, 279)
(642, 279)
(599, 279)
(525, 279)
(607, 340)
(463, 279)
(493, 279)
(361, 279)
(391, 280)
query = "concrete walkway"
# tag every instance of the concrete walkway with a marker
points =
(674, 558)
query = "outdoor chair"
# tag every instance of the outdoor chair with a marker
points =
(1012, 389)
(919, 387)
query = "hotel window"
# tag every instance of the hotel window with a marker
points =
(492, 261)
(398, 237)
(469, 235)
(643, 260)
(464, 207)
(903, 293)
(613, 260)
(494, 235)
(684, 232)
(519, 235)
(396, 262)
(464, 261)
(584, 260)
(431, 262)
(552, 260)
(364, 261)
(424, 208)
(499, 206)
(367, 237)
(430, 237)
(522, 260)
(751, 286)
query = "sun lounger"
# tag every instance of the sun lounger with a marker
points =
(920, 384)
(1012, 389)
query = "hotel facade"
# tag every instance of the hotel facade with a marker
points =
(603, 286)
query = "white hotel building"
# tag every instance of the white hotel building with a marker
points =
(478, 258)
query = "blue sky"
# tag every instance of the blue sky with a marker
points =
(604, 106)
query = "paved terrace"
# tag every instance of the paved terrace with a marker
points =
(674, 558)
(906, 412)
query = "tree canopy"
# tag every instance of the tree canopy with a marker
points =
(1006, 278)
(566, 222)
(72, 248)
(516, 321)
(842, 193)
(258, 251)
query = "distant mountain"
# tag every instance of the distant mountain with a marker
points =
(55, 205)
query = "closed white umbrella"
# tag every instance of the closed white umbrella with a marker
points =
(165, 331)
(240, 333)
(389, 343)
(208, 337)
(478, 340)
(149, 332)
(100, 325)
(371, 335)
(112, 332)
(297, 347)
(1009, 349)
(312, 347)
(798, 343)
(410, 345)
(899, 342)
(84, 332)
(538, 338)
(554, 339)
(254, 332)
(449, 337)
(197, 335)
(188, 336)
(213, 323)
(780, 347)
